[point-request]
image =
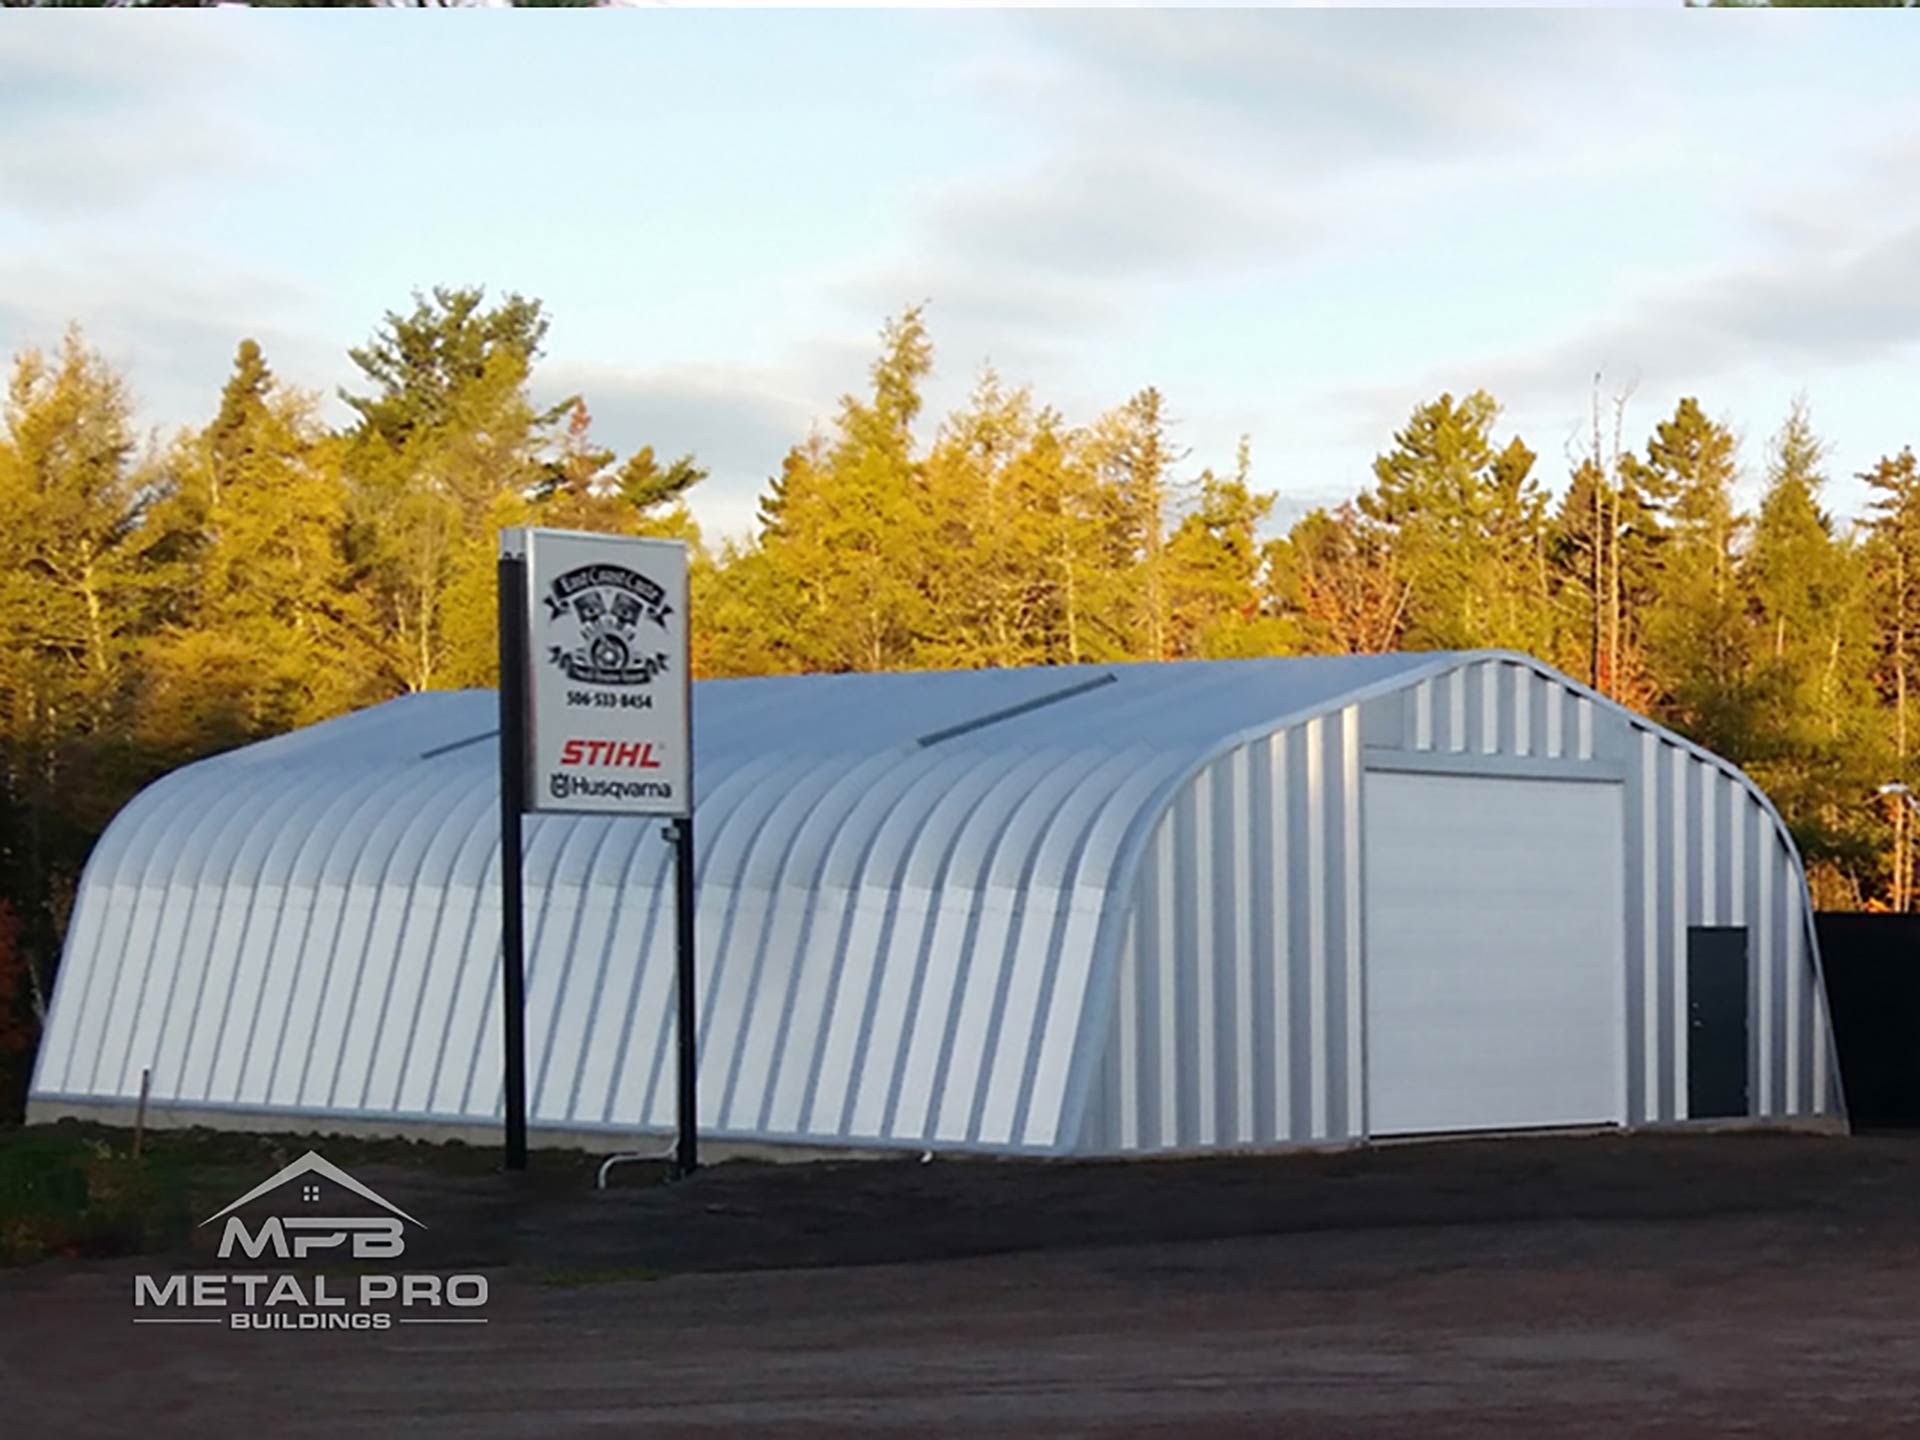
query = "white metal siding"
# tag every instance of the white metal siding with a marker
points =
(1286, 873)
(902, 885)
(1105, 909)
(1246, 1033)
(1708, 853)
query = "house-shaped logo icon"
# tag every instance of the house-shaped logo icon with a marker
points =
(299, 1237)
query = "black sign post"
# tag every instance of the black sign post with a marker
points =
(686, 1154)
(513, 796)
(596, 703)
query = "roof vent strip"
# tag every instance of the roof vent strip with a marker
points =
(439, 750)
(994, 717)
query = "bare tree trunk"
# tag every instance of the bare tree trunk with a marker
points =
(423, 640)
(1597, 643)
(1156, 619)
(1617, 497)
(1902, 847)
(1073, 614)
(1828, 685)
(1902, 870)
(41, 931)
(96, 624)
(1598, 568)
(1899, 857)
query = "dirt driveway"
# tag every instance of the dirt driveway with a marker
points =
(1654, 1285)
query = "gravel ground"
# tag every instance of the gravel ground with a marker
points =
(1652, 1285)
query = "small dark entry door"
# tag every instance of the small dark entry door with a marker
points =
(1716, 1021)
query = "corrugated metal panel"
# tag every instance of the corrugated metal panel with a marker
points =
(899, 910)
(1709, 852)
(1703, 848)
(998, 910)
(1239, 985)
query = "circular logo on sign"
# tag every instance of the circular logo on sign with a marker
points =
(602, 619)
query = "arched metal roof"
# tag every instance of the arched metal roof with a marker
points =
(898, 876)
(903, 884)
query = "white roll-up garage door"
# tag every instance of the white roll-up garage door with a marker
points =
(1495, 971)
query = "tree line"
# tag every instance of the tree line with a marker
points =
(161, 600)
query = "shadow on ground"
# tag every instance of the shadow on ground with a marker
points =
(1653, 1285)
(747, 1215)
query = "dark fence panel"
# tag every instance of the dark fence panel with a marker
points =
(1872, 965)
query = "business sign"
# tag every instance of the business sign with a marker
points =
(607, 673)
(275, 1293)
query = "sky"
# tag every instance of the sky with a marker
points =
(1298, 224)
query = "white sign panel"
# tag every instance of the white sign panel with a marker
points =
(608, 674)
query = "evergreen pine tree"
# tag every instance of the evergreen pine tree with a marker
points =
(1893, 560)
(1817, 745)
(1698, 636)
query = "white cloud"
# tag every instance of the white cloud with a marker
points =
(1158, 150)
(168, 324)
(93, 127)
(1112, 212)
(81, 167)
(50, 63)
(1801, 311)
(1825, 281)
(738, 422)
(1032, 263)
(1320, 92)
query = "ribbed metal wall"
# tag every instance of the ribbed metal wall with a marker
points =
(1111, 909)
(1709, 854)
(1236, 1016)
(902, 882)
(1237, 1007)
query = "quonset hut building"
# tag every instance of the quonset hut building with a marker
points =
(1105, 910)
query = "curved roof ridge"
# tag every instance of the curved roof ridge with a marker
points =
(853, 827)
